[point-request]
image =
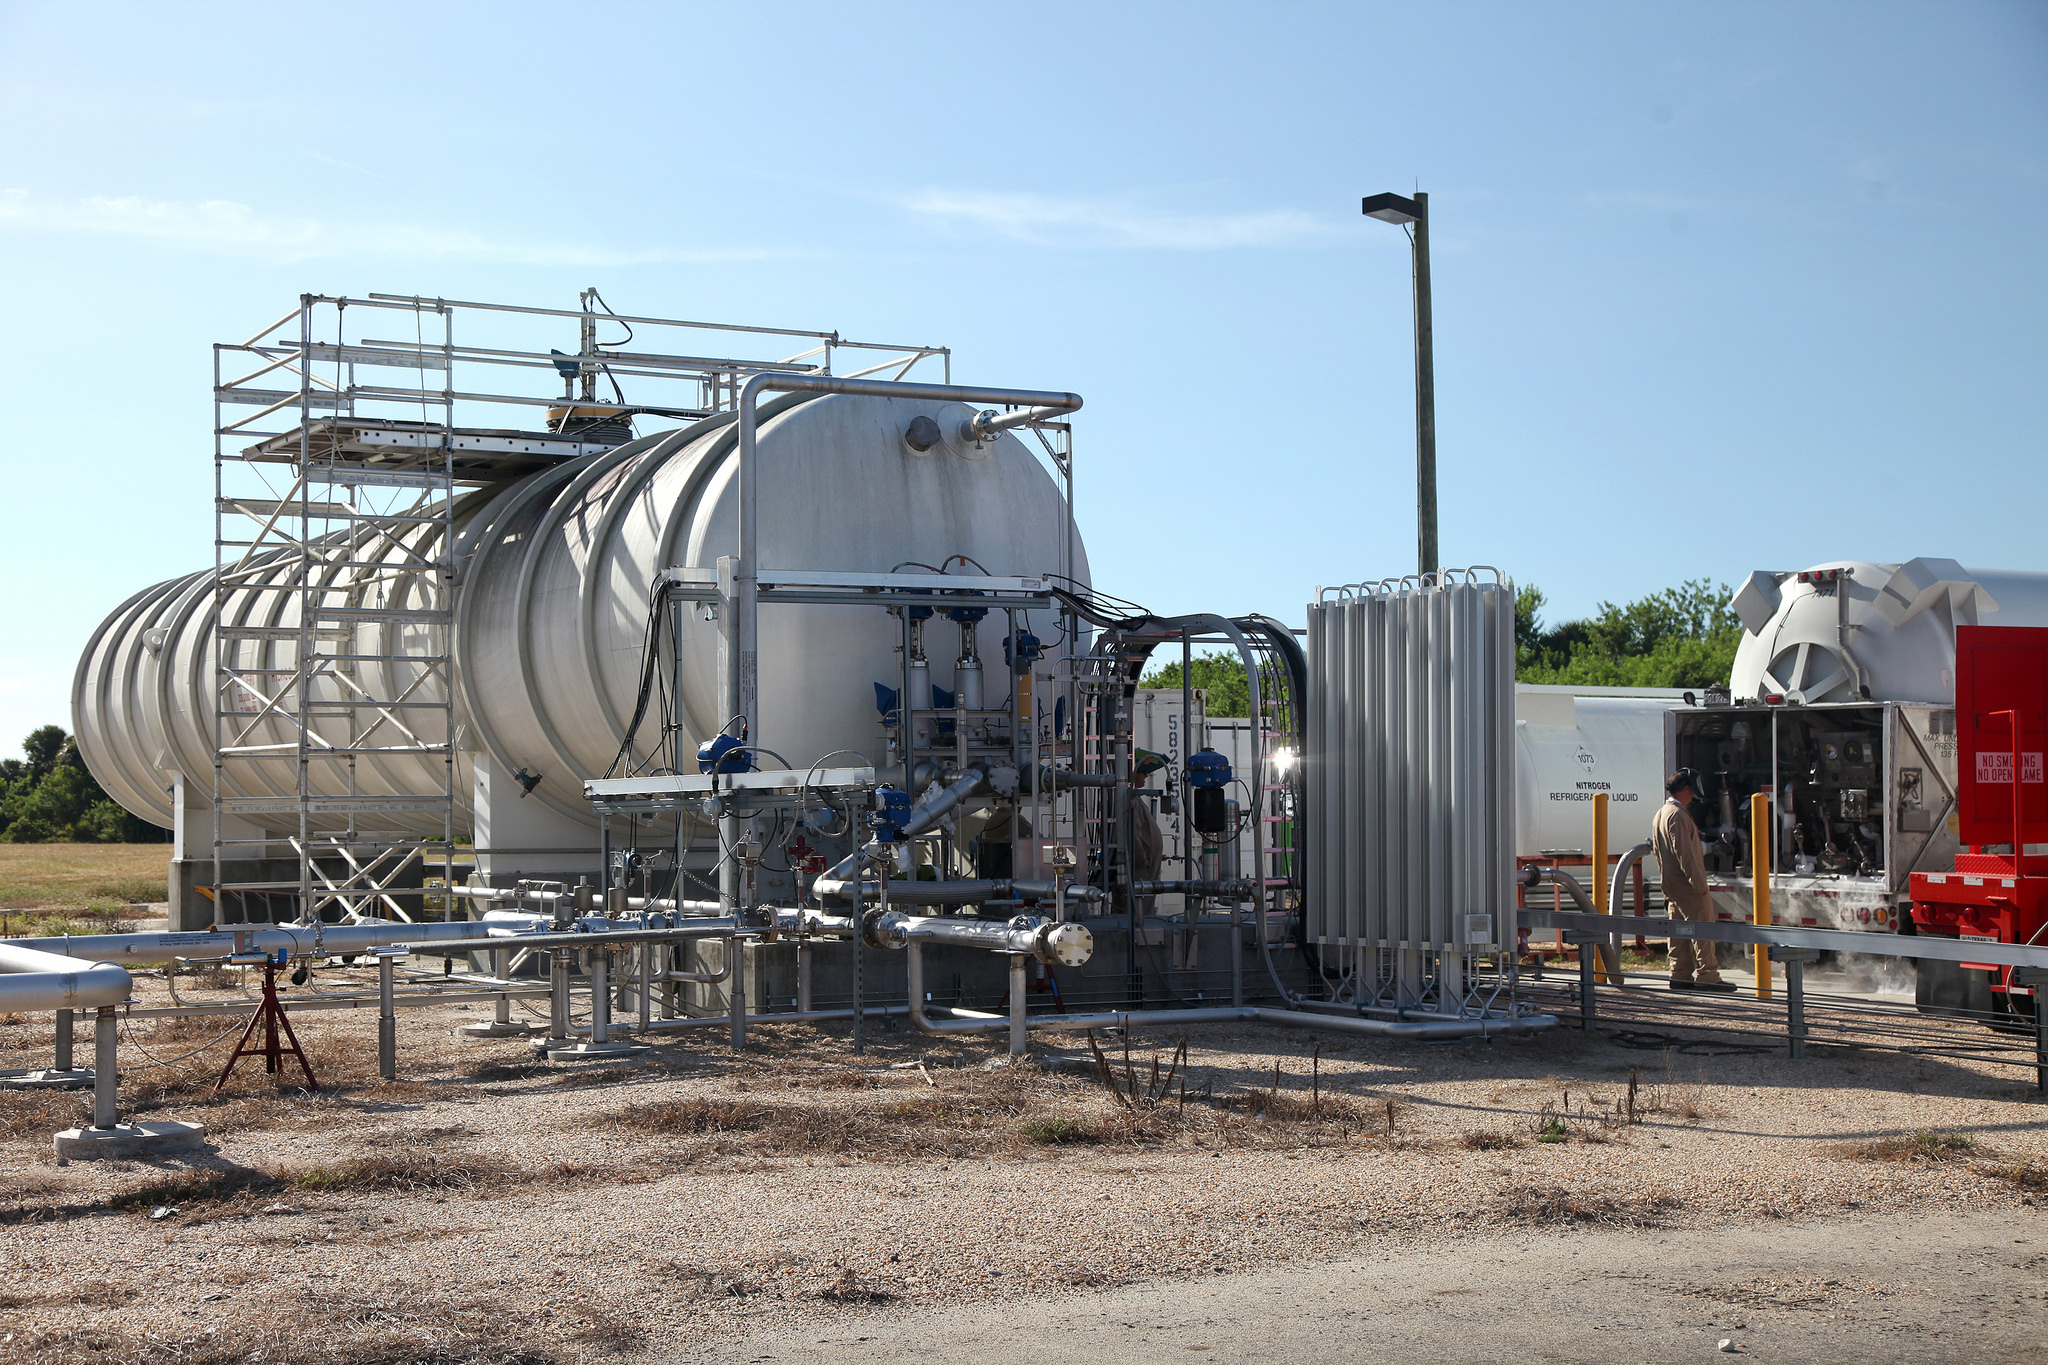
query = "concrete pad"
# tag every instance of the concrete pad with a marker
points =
(591, 1052)
(129, 1139)
(77, 1078)
(494, 1030)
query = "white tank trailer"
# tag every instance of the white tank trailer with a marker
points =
(1840, 703)
(553, 574)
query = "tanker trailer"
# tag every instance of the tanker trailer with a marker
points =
(1574, 743)
(1841, 704)
(552, 578)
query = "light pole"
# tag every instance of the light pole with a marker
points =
(1395, 208)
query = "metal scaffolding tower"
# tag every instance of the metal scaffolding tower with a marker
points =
(337, 747)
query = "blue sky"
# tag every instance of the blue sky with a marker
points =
(1718, 287)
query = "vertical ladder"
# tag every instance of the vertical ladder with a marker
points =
(350, 567)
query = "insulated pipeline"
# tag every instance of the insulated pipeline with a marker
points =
(1413, 1030)
(33, 979)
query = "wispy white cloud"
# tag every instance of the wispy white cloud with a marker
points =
(1049, 221)
(224, 225)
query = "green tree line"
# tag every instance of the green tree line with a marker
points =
(1679, 637)
(47, 796)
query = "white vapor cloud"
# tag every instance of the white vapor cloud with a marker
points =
(1047, 221)
(224, 225)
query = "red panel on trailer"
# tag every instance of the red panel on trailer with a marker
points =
(2001, 669)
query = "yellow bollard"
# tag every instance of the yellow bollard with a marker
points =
(1760, 844)
(1604, 957)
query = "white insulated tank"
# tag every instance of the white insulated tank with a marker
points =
(1887, 629)
(553, 575)
(1573, 743)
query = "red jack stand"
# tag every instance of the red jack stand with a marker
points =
(271, 1015)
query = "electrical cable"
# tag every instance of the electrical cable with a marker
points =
(613, 379)
(649, 656)
(1691, 1047)
(128, 1028)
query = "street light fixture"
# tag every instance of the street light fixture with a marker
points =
(1399, 209)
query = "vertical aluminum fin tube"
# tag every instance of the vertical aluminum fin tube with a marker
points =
(1411, 770)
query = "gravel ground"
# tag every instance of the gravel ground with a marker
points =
(485, 1207)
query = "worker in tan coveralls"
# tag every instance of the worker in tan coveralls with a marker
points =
(1677, 841)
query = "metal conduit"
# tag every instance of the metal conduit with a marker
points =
(1610, 952)
(1424, 1031)
(965, 892)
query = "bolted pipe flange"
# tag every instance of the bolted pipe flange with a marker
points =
(1069, 945)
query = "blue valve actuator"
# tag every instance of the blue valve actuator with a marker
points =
(715, 755)
(892, 810)
(1207, 768)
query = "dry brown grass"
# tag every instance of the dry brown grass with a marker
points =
(93, 1294)
(848, 1289)
(422, 1326)
(193, 1028)
(1490, 1140)
(2025, 1176)
(1927, 1144)
(497, 1069)
(406, 1173)
(931, 1124)
(839, 1080)
(1554, 1205)
(33, 1115)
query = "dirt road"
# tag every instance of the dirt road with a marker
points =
(1894, 1288)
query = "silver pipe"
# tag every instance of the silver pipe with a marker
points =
(558, 998)
(1018, 1022)
(1238, 887)
(1066, 944)
(1055, 778)
(930, 812)
(1610, 953)
(105, 1075)
(713, 978)
(921, 818)
(1430, 1030)
(38, 979)
(966, 892)
(501, 968)
(646, 1001)
(1389, 1028)
(1626, 865)
(297, 940)
(495, 894)
(988, 422)
(796, 1017)
(403, 1000)
(387, 1019)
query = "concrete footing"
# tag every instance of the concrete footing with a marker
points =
(587, 1051)
(77, 1078)
(129, 1139)
(513, 1030)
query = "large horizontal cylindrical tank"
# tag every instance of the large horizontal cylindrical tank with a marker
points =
(552, 581)
(1571, 747)
(1848, 629)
